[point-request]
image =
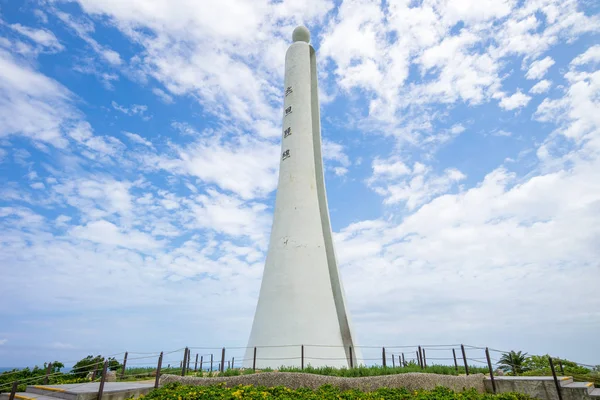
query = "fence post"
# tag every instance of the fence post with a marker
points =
(555, 379)
(211, 362)
(95, 372)
(455, 363)
(351, 360)
(124, 365)
(302, 357)
(183, 363)
(383, 357)
(462, 348)
(233, 362)
(420, 357)
(400, 361)
(158, 367)
(201, 370)
(254, 360)
(223, 359)
(403, 360)
(187, 368)
(228, 364)
(13, 391)
(424, 359)
(102, 380)
(562, 371)
(196, 364)
(393, 361)
(47, 373)
(489, 362)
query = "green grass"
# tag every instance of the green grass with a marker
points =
(176, 391)
(354, 372)
(378, 370)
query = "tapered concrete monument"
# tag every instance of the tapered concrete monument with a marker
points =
(301, 299)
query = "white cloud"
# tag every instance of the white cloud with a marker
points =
(97, 197)
(31, 104)
(135, 109)
(179, 37)
(591, 55)
(501, 133)
(88, 65)
(242, 165)
(538, 68)
(83, 28)
(421, 185)
(230, 215)
(107, 233)
(41, 16)
(3, 341)
(134, 137)
(516, 100)
(574, 113)
(373, 48)
(541, 87)
(532, 235)
(42, 37)
(166, 98)
(532, 232)
(389, 168)
(332, 151)
(340, 171)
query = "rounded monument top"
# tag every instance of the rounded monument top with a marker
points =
(301, 34)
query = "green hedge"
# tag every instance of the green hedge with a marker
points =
(177, 391)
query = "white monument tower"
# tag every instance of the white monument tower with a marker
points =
(301, 299)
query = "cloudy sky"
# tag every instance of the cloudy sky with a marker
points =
(139, 150)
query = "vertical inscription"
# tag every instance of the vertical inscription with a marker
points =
(288, 131)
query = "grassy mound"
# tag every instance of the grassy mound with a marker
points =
(177, 391)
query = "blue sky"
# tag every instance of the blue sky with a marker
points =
(139, 149)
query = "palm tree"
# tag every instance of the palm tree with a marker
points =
(513, 362)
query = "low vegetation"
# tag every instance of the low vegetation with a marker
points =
(517, 363)
(89, 364)
(353, 372)
(378, 370)
(176, 391)
(35, 376)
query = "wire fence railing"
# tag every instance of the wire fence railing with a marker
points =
(463, 358)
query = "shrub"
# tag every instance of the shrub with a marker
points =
(90, 363)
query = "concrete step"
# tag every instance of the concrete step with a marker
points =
(586, 387)
(52, 391)
(89, 391)
(565, 380)
(562, 380)
(595, 392)
(26, 396)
